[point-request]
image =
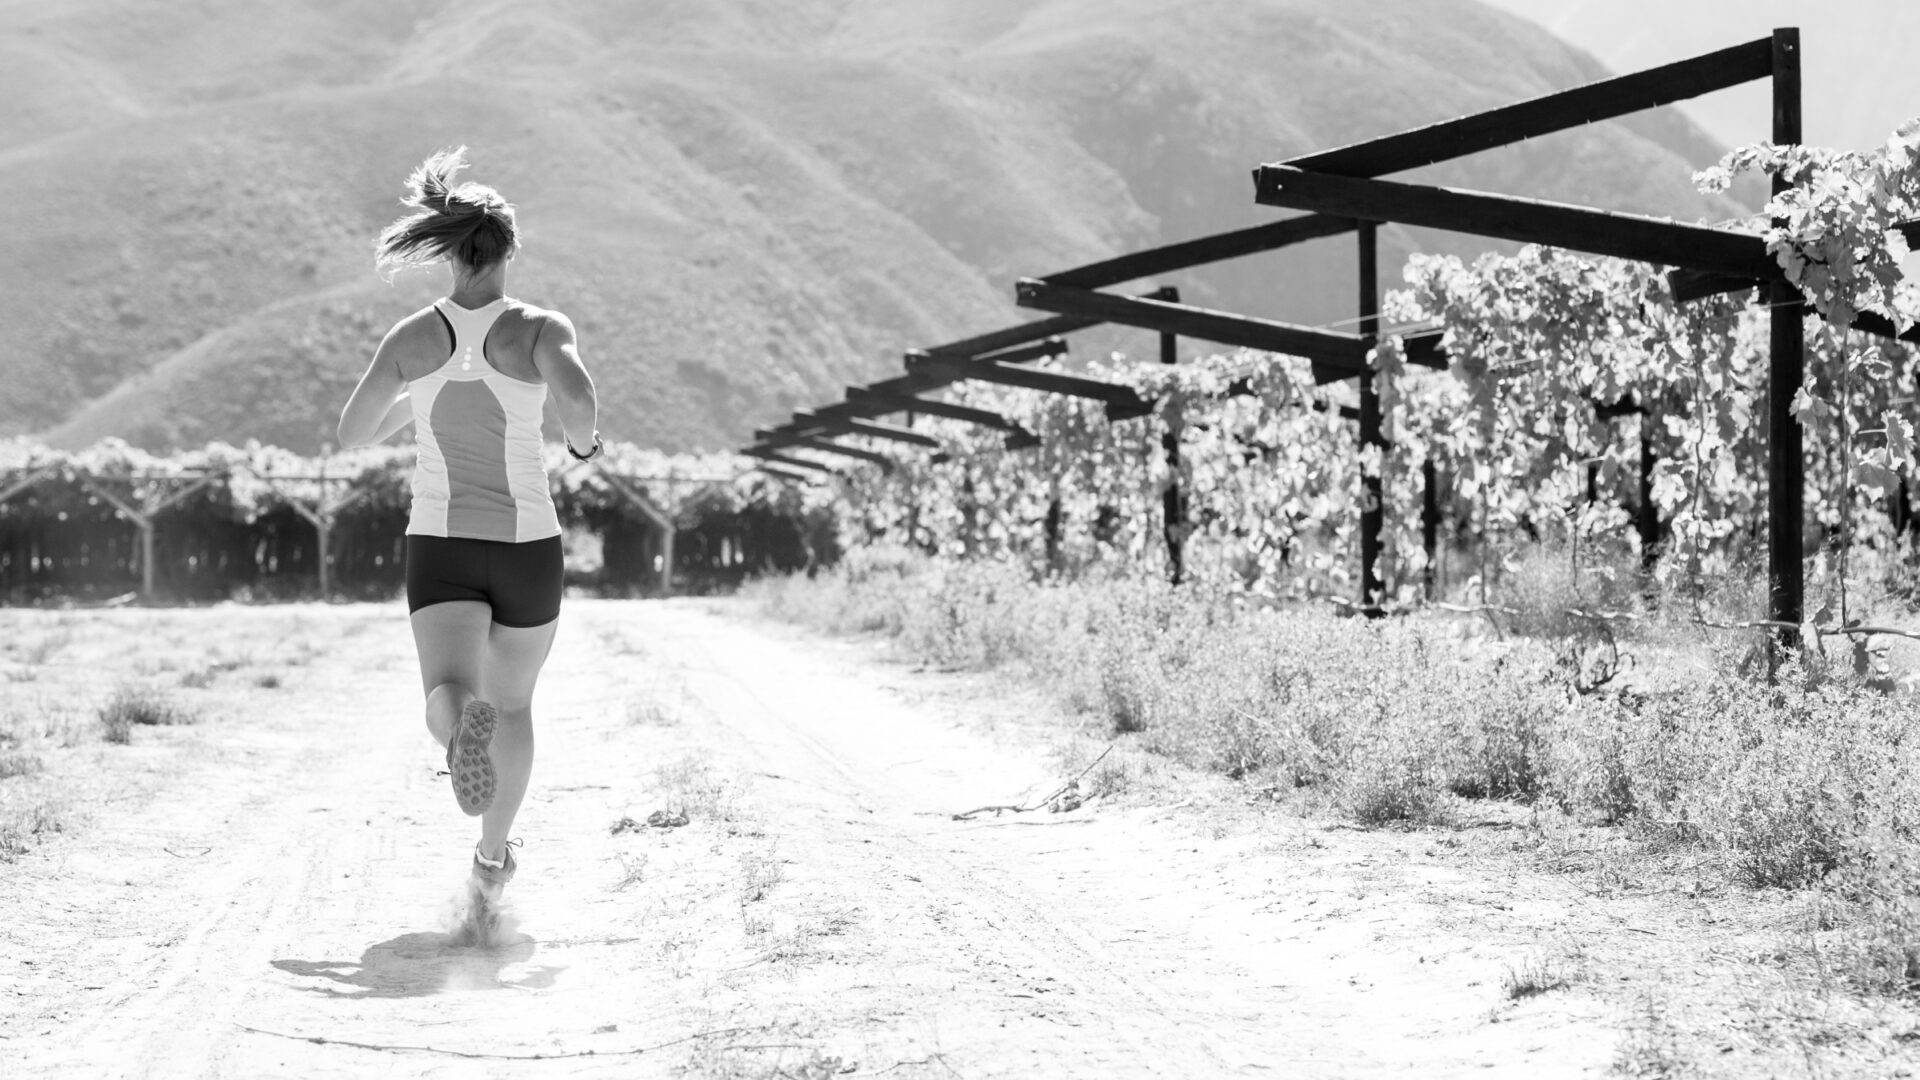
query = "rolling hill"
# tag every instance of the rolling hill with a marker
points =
(744, 204)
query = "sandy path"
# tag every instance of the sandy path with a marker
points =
(280, 905)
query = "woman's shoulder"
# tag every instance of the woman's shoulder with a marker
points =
(424, 327)
(537, 316)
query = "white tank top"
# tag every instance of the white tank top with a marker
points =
(479, 473)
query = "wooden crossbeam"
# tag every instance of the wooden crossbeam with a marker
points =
(1872, 322)
(766, 453)
(1001, 344)
(1614, 410)
(1529, 221)
(320, 515)
(1544, 115)
(151, 506)
(904, 403)
(1010, 346)
(27, 481)
(787, 440)
(1017, 335)
(1423, 348)
(785, 473)
(828, 446)
(1337, 350)
(1206, 249)
(648, 508)
(804, 420)
(1026, 354)
(1244, 388)
(1690, 285)
(1116, 396)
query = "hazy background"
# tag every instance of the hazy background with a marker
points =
(748, 204)
(1860, 82)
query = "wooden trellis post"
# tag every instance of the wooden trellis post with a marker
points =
(152, 504)
(1786, 454)
(1173, 500)
(1648, 518)
(321, 515)
(1372, 498)
(653, 514)
(1430, 525)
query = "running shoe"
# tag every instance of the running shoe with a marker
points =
(468, 760)
(490, 880)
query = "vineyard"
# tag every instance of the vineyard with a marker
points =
(256, 521)
(1638, 392)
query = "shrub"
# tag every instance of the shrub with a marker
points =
(1881, 942)
(1494, 738)
(1585, 765)
(1778, 779)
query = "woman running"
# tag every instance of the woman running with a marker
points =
(471, 374)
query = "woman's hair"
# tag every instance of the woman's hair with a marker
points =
(470, 223)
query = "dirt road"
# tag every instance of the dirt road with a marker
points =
(275, 900)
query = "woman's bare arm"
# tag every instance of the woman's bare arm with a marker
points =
(556, 353)
(379, 405)
(399, 415)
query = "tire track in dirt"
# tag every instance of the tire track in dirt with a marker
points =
(1109, 1010)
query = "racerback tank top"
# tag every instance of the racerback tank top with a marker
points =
(479, 473)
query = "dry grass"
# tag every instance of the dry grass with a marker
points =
(633, 870)
(24, 820)
(802, 944)
(1652, 1047)
(666, 702)
(39, 648)
(131, 707)
(765, 1056)
(760, 871)
(1542, 971)
(1805, 781)
(78, 679)
(689, 786)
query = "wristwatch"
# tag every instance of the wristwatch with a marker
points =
(589, 455)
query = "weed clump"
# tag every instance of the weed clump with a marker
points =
(22, 825)
(130, 706)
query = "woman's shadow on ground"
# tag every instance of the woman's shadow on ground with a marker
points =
(424, 963)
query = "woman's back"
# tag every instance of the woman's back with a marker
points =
(478, 398)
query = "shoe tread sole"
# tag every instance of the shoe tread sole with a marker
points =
(468, 760)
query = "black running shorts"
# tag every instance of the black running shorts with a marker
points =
(521, 581)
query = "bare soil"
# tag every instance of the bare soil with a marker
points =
(274, 889)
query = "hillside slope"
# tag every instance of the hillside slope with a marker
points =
(743, 205)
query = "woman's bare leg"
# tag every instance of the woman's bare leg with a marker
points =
(451, 638)
(514, 656)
